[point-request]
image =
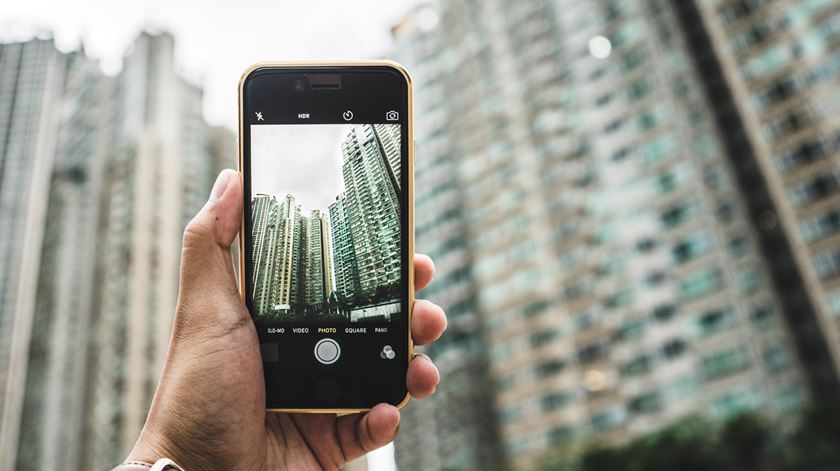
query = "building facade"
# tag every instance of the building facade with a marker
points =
(32, 80)
(345, 268)
(780, 66)
(309, 265)
(369, 170)
(116, 166)
(585, 210)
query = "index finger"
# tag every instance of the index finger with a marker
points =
(424, 271)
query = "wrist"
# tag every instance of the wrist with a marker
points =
(150, 448)
(163, 464)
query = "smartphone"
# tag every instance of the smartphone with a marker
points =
(327, 239)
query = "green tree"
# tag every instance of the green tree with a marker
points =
(816, 444)
(746, 440)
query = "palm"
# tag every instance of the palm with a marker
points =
(307, 441)
(209, 409)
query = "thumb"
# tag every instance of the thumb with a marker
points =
(206, 263)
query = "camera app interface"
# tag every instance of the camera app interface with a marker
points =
(325, 227)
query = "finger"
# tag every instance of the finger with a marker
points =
(208, 235)
(424, 271)
(208, 282)
(423, 376)
(362, 433)
(428, 321)
(219, 219)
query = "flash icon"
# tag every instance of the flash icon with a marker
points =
(259, 116)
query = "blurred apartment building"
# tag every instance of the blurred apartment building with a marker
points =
(620, 222)
(100, 176)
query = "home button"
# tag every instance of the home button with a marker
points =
(327, 351)
(327, 390)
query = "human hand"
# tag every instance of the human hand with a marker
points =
(208, 411)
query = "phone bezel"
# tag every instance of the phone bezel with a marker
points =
(331, 66)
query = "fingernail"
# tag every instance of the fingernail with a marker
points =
(419, 354)
(221, 185)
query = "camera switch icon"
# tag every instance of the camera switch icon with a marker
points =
(392, 116)
(387, 353)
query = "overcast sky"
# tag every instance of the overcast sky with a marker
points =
(215, 40)
(304, 161)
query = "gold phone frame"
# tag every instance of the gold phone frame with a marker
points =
(410, 195)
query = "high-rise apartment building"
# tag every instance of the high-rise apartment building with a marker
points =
(388, 136)
(264, 223)
(317, 259)
(156, 180)
(42, 90)
(344, 262)
(776, 67)
(56, 376)
(321, 264)
(457, 428)
(583, 204)
(280, 254)
(108, 171)
(371, 196)
(292, 256)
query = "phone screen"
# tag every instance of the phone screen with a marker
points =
(325, 237)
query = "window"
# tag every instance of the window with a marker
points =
(767, 62)
(621, 154)
(725, 211)
(755, 34)
(724, 363)
(633, 59)
(733, 403)
(645, 245)
(762, 316)
(738, 245)
(738, 9)
(609, 418)
(592, 352)
(714, 321)
(691, 247)
(603, 100)
(664, 313)
(827, 264)
(630, 330)
(510, 414)
(801, 155)
(673, 348)
(819, 186)
(647, 121)
(701, 283)
(666, 182)
(637, 366)
(750, 280)
(822, 226)
(555, 401)
(542, 337)
(676, 215)
(561, 434)
(833, 302)
(613, 126)
(776, 93)
(776, 358)
(655, 278)
(549, 368)
(788, 123)
(640, 88)
(646, 403)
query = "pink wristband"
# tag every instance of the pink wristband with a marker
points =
(160, 465)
